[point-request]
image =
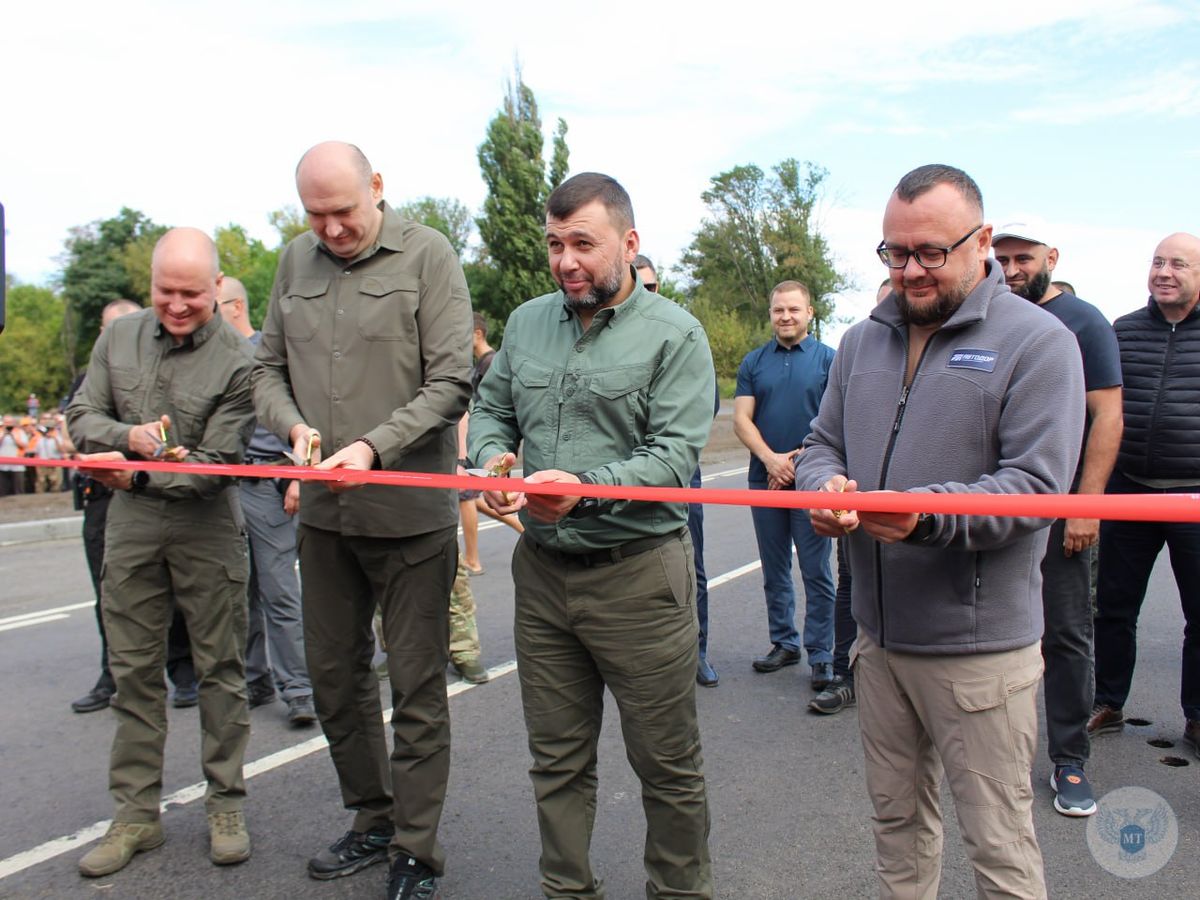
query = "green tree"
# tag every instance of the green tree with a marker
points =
(33, 353)
(104, 260)
(760, 231)
(513, 219)
(447, 215)
(289, 222)
(248, 260)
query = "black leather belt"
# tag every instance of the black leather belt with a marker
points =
(267, 460)
(609, 555)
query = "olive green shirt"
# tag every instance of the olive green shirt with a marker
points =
(137, 373)
(627, 402)
(376, 347)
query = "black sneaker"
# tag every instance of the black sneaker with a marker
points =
(260, 691)
(352, 852)
(838, 695)
(1072, 792)
(186, 695)
(411, 880)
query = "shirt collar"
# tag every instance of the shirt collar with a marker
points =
(197, 337)
(802, 346)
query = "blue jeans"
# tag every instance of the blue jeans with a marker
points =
(777, 530)
(696, 527)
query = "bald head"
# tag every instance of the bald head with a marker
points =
(341, 197)
(115, 309)
(1175, 275)
(185, 276)
(234, 304)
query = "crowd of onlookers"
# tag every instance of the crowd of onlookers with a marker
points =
(34, 436)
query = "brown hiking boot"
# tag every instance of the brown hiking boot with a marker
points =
(119, 844)
(230, 840)
(1104, 719)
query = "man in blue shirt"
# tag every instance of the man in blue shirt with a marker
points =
(779, 389)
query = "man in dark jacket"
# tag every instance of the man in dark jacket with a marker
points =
(943, 390)
(1160, 454)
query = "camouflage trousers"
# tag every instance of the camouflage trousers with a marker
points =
(464, 635)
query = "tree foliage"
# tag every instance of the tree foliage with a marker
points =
(248, 260)
(105, 260)
(513, 218)
(449, 216)
(289, 222)
(33, 352)
(761, 230)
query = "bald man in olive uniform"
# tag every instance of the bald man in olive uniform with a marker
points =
(367, 344)
(176, 367)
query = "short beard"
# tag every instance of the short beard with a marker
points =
(1034, 289)
(600, 293)
(947, 303)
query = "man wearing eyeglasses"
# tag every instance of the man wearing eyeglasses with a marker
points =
(706, 675)
(943, 390)
(1160, 454)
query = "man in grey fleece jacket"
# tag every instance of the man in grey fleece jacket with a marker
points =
(953, 385)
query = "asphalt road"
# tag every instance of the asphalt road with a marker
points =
(790, 814)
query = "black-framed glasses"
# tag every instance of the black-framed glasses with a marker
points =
(927, 257)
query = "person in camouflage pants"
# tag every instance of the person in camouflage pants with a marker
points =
(464, 635)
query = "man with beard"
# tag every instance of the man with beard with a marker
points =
(943, 389)
(606, 383)
(1027, 260)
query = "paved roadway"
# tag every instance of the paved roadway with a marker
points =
(790, 815)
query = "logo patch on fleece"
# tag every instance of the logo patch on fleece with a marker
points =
(971, 358)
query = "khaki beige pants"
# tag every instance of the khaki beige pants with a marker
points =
(976, 716)
(631, 627)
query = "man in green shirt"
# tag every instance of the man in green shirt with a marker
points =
(366, 352)
(166, 382)
(606, 383)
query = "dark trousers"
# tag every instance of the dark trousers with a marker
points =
(345, 577)
(1127, 554)
(631, 627)
(12, 483)
(1067, 649)
(695, 524)
(180, 668)
(845, 629)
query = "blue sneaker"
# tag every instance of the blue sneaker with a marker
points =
(706, 675)
(1072, 791)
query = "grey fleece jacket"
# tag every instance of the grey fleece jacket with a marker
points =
(995, 407)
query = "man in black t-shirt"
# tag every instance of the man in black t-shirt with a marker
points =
(483, 353)
(1028, 259)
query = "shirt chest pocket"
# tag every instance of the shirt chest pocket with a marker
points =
(619, 398)
(127, 392)
(192, 412)
(387, 307)
(301, 307)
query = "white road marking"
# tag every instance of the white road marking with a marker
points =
(39, 621)
(193, 792)
(58, 846)
(47, 612)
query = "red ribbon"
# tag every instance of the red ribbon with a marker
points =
(1127, 507)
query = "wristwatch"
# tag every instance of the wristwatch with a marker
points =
(923, 530)
(587, 506)
(141, 478)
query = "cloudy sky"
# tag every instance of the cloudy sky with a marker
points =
(1083, 113)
